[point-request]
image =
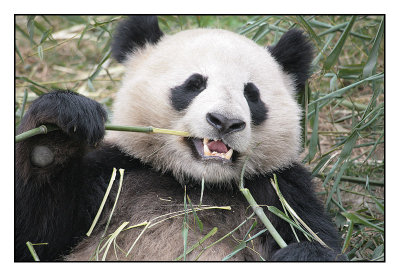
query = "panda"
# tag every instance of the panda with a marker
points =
(237, 101)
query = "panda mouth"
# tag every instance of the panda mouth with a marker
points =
(212, 149)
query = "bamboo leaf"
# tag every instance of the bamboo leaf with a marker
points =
(256, 235)
(339, 93)
(250, 229)
(314, 136)
(22, 31)
(333, 29)
(379, 205)
(372, 116)
(374, 147)
(253, 24)
(164, 22)
(334, 55)
(197, 219)
(378, 252)
(370, 66)
(309, 29)
(261, 32)
(36, 90)
(348, 146)
(40, 52)
(283, 216)
(106, 56)
(90, 84)
(83, 34)
(19, 53)
(45, 35)
(31, 28)
(348, 236)
(238, 248)
(330, 173)
(320, 164)
(26, 79)
(358, 219)
(24, 103)
(200, 242)
(336, 183)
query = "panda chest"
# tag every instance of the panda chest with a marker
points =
(154, 222)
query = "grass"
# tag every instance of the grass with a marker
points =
(343, 103)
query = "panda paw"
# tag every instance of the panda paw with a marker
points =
(77, 116)
(307, 251)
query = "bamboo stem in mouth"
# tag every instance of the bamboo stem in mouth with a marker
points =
(44, 129)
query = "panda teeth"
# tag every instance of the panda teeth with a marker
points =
(208, 153)
(228, 154)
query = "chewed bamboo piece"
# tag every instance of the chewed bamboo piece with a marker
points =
(44, 129)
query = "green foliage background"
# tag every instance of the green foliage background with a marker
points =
(343, 101)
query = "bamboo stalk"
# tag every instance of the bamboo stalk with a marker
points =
(264, 219)
(32, 251)
(44, 129)
(258, 210)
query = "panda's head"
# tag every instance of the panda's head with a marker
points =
(235, 98)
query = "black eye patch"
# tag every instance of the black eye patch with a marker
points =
(182, 96)
(257, 107)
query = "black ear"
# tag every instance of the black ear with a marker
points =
(134, 32)
(294, 53)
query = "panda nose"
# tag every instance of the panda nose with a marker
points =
(225, 125)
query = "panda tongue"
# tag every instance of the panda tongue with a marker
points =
(217, 146)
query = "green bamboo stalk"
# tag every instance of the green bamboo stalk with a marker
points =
(264, 219)
(33, 252)
(44, 129)
(258, 210)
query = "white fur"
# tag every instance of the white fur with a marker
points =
(229, 61)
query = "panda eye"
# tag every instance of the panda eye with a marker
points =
(196, 83)
(182, 95)
(251, 93)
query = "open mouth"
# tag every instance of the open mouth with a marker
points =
(212, 149)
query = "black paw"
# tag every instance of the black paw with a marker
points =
(76, 115)
(307, 251)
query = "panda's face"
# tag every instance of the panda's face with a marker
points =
(222, 88)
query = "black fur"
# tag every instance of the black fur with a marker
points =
(134, 32)
(257, 107)
(294, 53)
(182, 95)
(53, 204)
(76, 115)
(57, 204)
